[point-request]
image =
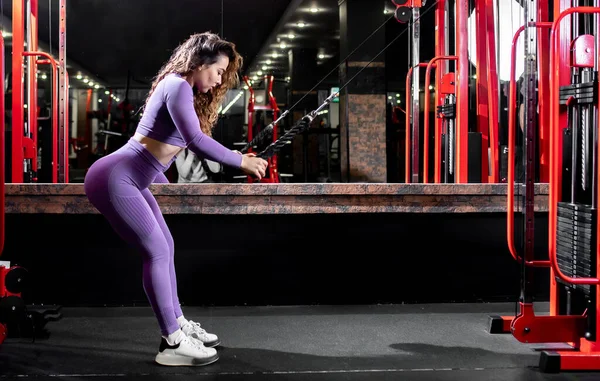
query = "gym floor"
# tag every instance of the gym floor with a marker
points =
(380, 342)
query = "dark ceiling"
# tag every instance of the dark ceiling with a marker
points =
(111, 38)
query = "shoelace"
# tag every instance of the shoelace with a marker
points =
(195, 343)
(197, 326)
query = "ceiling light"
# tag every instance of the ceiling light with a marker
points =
(274, 54)
(314, 10)
(321, 56)
(291, 36)
(259, 72)
(264, 67)
(268, 62)
(282, 46)
(301, 24)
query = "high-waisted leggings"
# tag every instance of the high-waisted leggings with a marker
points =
(117, 185)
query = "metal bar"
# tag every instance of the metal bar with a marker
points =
(2, 149)
(32, 86)
(462, 91)
(18, 121)
(492, 88)
(408, 175)
(427, 97)
(408, 119)
(441, 49)
(482, 84)
(512, 107)
(55, 119)
(543, 93)
(63, 97)
(416, 59)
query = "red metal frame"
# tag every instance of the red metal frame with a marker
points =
(482, 84)
(426, 107)
(51, 61)
(560, 328)
(32, 104)
(26, 147)
(493, 175)
(18, 140)
(462, 91)
(252, 107)
(555, 142)
(2, 153)
(63, 98)
(440, 50)
(407, 113)
(512, 102)
(543, 41)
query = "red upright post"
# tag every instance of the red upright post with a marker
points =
(2, 149)
(63, 97)
(18, 39)
(482, 85)
(544, 93)
(492, 88)
(462, 91)
(32, 86)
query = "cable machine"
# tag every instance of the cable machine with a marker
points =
(461, 153)
(272, 175)
(14, 311)
(561, 58)
(24, 152)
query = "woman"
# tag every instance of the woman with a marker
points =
(180, 112)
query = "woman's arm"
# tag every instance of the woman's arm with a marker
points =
(180, 103)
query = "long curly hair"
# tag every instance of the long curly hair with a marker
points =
(197, 50)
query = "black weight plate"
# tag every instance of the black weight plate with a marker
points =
(16, 279)
(12, 309)
(580, 240)
(575, 224)
(403, 14)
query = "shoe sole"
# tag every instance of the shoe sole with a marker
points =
(184, 361)
(213, 344)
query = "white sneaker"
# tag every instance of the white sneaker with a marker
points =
(195, 331)
(187, 353)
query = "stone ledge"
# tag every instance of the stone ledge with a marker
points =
(283, 198)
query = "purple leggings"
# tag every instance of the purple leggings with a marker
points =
(117, 185)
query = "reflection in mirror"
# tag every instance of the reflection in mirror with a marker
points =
(350, 66)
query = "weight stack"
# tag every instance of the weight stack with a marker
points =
(576, 242)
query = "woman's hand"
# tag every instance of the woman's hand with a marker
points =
(253, 165)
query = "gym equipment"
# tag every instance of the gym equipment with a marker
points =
(272, 175)
(573, 230)
(304, 123)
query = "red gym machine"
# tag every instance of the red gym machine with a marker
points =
(24, 148)
(13, 279)
(272, 175)
(3, 331)
(567, 105)
(463, 151)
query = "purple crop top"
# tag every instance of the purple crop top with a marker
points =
(170, 117)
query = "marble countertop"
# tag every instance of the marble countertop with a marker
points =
(298, 198)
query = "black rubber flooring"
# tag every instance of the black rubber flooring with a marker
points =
(398, 342)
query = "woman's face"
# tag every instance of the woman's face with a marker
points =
(207, 77)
